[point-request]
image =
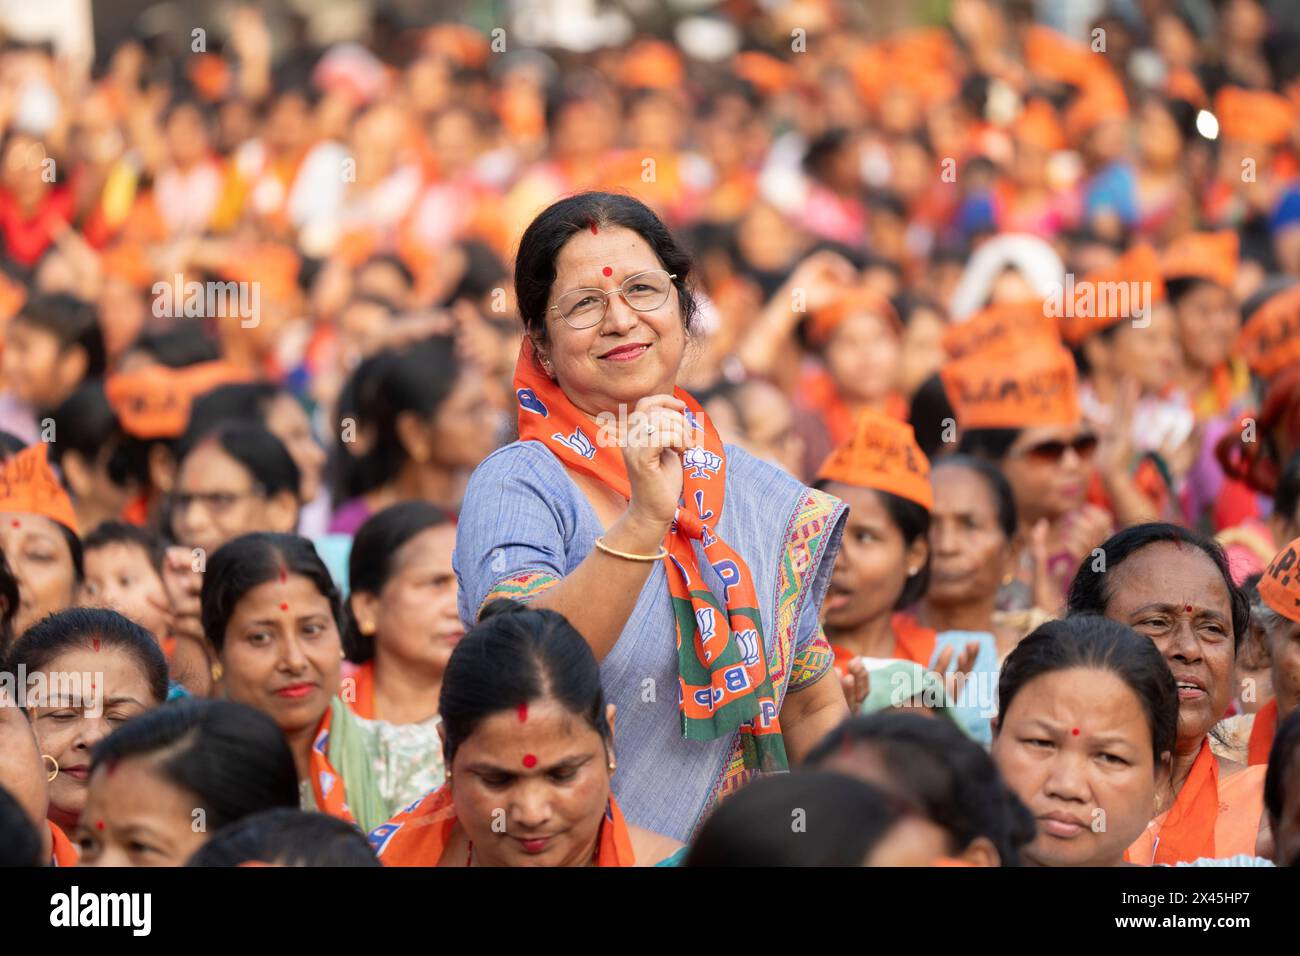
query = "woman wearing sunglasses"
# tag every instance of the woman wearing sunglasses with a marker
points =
(694, 570)
(1019, 410)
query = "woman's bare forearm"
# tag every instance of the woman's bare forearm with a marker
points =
(598, 596)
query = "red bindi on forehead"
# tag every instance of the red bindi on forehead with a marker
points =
(530, 761)
(607, 271)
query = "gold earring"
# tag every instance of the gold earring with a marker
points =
(368, 628)
(1008, 578)
(612, 766)
(55, 772)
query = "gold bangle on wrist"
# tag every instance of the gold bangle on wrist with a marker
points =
(663, 552)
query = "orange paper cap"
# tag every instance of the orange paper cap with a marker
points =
(654, 65)
(1203, 255)
(1038, 126)
(1270, 339)
(882, 454)
(1279, 585)
(764, 72)
(154, 402)
(998, 326)
(1014, 387)
(1111, 295)
(1051, 55)
(1254, 116)
(852, 301)
(28, 485)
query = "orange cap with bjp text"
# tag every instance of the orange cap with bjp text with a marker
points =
(28, 485)
(1034, 383)
(1006, 324)
(1203, 255)
(1279, 585)
(1126, 289)
(882, 454)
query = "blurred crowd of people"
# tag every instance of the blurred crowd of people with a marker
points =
(993, 331)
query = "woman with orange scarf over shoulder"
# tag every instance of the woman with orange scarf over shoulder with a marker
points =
(272, 612)
(1173, 586)
(529, 747)
(694, 570)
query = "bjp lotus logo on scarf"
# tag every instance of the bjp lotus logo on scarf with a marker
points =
(705, 462)
(577, 442)
(707, 626)
(748, 642)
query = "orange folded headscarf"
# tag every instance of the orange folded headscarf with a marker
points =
(1270, 339)
(1203, 255)
(29, 486)
(1036, 384)
(419, 835)
(883, 454)
(723, 687)
(1007, 324)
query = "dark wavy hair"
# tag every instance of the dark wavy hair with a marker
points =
(547, 234)
(288, 837)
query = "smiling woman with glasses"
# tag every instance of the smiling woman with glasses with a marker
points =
(694, 570)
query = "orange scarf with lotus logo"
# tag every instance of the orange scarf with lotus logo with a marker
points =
(723, 683)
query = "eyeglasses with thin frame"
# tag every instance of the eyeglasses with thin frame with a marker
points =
(643, 292)
(1053, 450)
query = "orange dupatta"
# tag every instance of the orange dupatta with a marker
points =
(419, 835)
(1210, 818)
(64, 852)
(722, 677)
(1261, 734)
(363, 685)
(912, 642)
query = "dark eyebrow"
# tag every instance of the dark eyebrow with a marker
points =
(1173, 608)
